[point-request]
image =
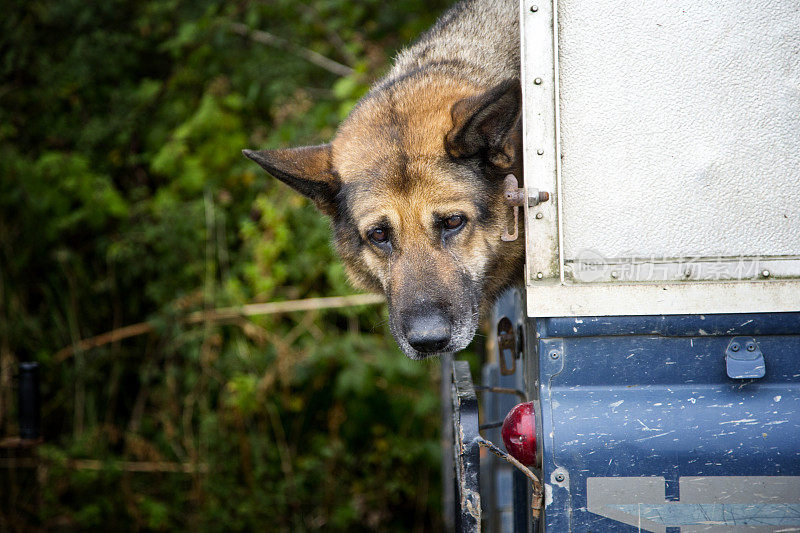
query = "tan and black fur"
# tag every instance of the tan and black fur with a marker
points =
(413, 179)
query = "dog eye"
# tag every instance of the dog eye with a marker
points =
(378, 235)
(453, 222)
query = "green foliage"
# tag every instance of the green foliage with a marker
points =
(124, 199)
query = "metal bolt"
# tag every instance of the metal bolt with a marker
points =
(734, 347)
(554, 355)
(539, 275)
(537, 81)
(615, 274)
(536, 197)
(560, 477)
(539, 152)
(539, 216)
(751, 347)
(765, 273)
(534, 9)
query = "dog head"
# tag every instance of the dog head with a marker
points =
(413, 183)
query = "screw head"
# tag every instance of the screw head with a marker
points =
(539, 216)
(554, 354)
(765, 273)
(537, 81)
(560, 477)
(539, 152)
(615, 274)
(539, 275)
(734, 347)
(534, 9)
(751, 347)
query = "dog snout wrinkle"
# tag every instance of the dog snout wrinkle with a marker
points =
(427, 333)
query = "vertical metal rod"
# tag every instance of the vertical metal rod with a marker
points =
(28, 400)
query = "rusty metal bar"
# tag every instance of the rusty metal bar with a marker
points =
(537, 498)
(466, 453)
(503, 390)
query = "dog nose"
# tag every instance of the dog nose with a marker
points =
(428, 333)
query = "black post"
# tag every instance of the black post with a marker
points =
(448, 465)
(522, 502)
(28, 400)
(466, 453)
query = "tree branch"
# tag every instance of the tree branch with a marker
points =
(125, 466)
(224, 314)
(269, 39)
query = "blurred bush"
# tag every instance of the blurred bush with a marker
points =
(124, 199)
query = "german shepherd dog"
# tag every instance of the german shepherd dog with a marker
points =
(413, 178)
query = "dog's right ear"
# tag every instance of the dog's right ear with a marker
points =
(487, 123)
(306, 169)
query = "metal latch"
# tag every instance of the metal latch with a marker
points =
(515, 198)
(743, 359)
(506, 343)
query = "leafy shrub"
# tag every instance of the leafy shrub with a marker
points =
(124, 199)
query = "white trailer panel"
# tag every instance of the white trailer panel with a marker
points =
(668, 135)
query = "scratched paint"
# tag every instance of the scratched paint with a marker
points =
(618, 405)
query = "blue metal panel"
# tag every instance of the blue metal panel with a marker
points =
(643, 428)
(673, 325)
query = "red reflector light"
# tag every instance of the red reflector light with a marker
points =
(519, 433)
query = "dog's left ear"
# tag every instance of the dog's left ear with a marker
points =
(306, 169)
(487, 124)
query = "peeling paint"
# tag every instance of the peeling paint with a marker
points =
(660, 414)
(548, 494)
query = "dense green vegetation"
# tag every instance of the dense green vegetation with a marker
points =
(124, 199)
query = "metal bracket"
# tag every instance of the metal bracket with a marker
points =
(743, 359)
(515, 198)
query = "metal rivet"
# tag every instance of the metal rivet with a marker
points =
(539, 275)
(751, 347)
(539, 216)
(537, 81)
(554, 355)
(560, 477)
(534, 9)
(734, 347)
(615, 274)
(539, 152)
(765, 273)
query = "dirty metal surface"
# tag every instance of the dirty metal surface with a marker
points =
(673, 325)
(680, 133)
(505, 491)
(466, 450)
(644, 430)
